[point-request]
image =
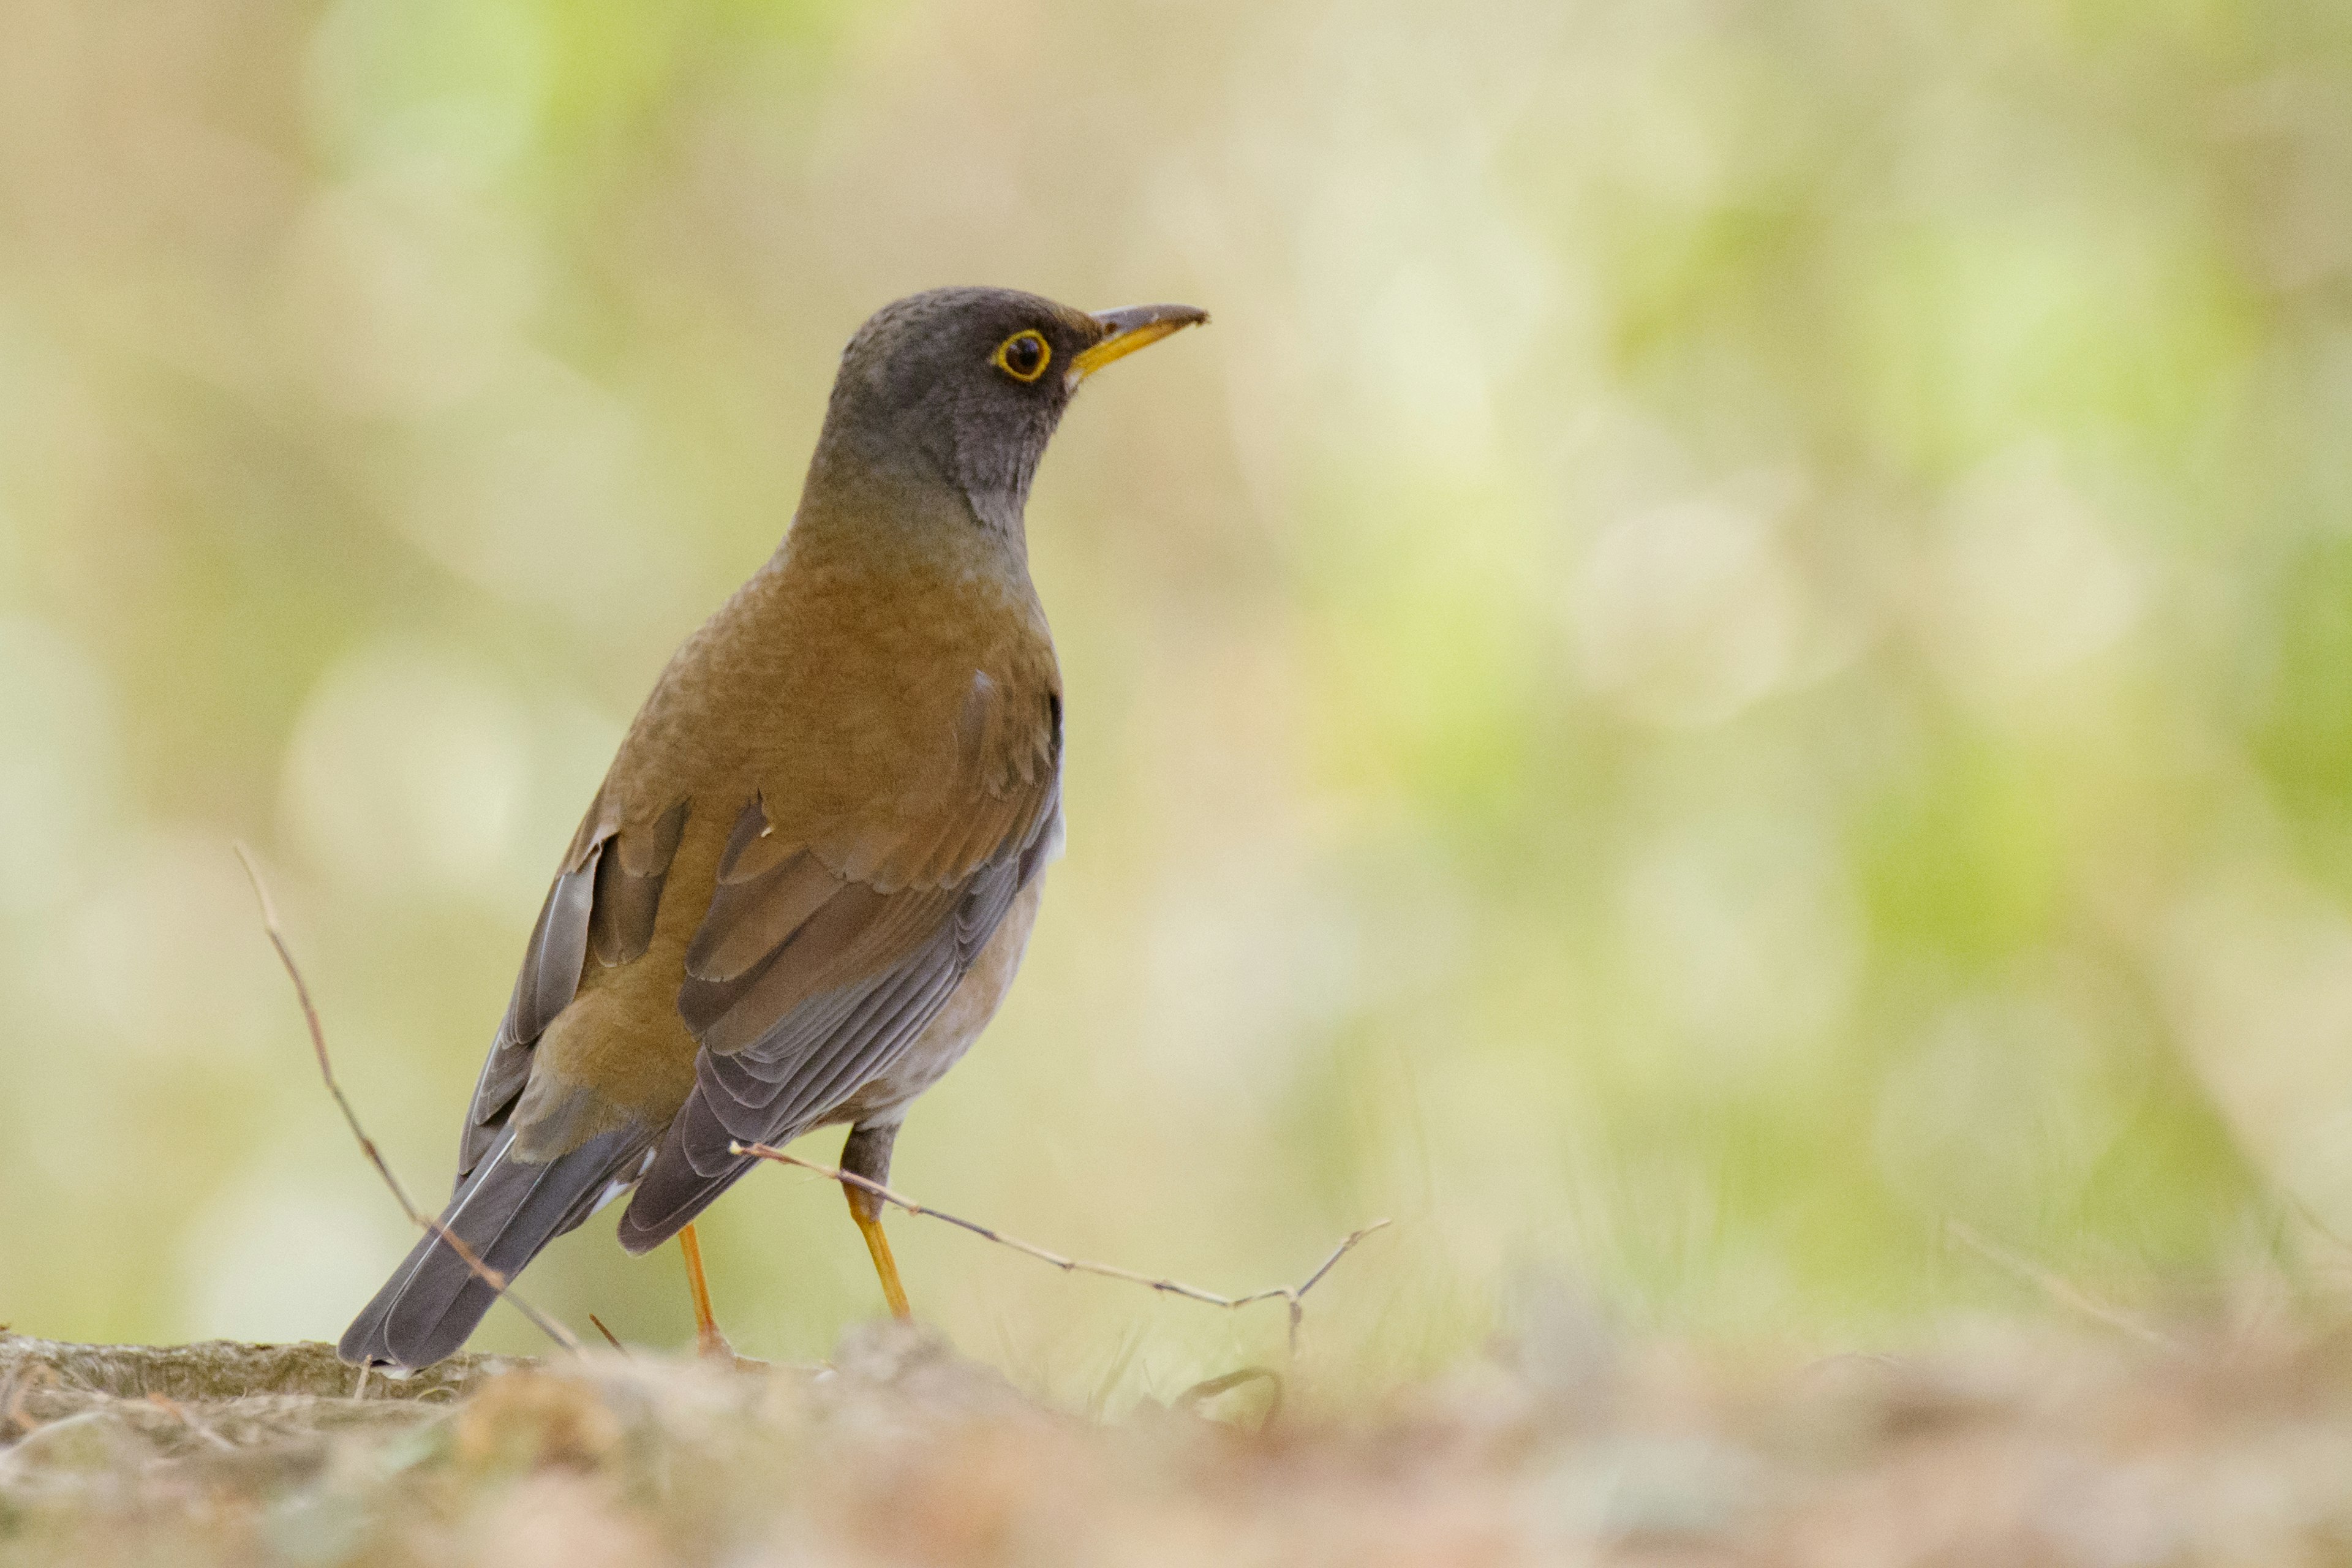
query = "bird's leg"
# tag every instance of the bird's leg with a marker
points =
(707, 1339)
(867, 1154)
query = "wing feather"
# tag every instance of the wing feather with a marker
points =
(606, 898)
(629, 888)
(750, 920)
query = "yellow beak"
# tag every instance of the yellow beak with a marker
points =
(1135, 327)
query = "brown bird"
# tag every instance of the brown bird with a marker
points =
(809, 875)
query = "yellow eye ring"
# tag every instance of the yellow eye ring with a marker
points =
(1023, 356)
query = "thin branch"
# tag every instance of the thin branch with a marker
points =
(1289, 1294)
(2055, 1286)
(489, 1275)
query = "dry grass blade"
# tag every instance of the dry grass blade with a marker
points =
(1201, 1392)
(1289, 1294)
(2056, 1287)
(482, 1271)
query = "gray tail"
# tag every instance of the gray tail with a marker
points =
(674, 1190)
(506, 1211)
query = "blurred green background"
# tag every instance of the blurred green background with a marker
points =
(1736, 645)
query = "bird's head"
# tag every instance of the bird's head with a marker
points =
(964, 387)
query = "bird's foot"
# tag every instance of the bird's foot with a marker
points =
(712, 1346)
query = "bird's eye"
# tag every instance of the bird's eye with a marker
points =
(1023, 356)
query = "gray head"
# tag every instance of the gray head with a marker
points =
(965, 386)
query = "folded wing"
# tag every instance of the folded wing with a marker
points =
(825, 952)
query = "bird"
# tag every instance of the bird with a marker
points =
(812, 869)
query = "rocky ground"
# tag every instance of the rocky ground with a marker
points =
(2014, 1450)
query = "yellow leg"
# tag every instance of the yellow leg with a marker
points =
(869, 1225)
(707, 1339)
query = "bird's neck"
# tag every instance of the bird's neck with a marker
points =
(865, 523)
(913, 467)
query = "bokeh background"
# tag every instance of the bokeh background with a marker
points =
(1736, 648)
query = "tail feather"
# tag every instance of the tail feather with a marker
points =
(507, 1210)
(672, 1191)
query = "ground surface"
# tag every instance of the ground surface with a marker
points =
(2046, 1452)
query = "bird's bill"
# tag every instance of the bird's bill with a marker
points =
(1135, 327)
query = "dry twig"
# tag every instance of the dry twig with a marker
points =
(472, 1260)
(1289, 1294)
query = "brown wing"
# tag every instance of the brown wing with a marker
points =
(820, 961)
(604, 898)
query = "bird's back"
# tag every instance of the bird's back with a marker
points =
(877, 706)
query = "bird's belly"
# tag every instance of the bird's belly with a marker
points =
(885, 1097)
